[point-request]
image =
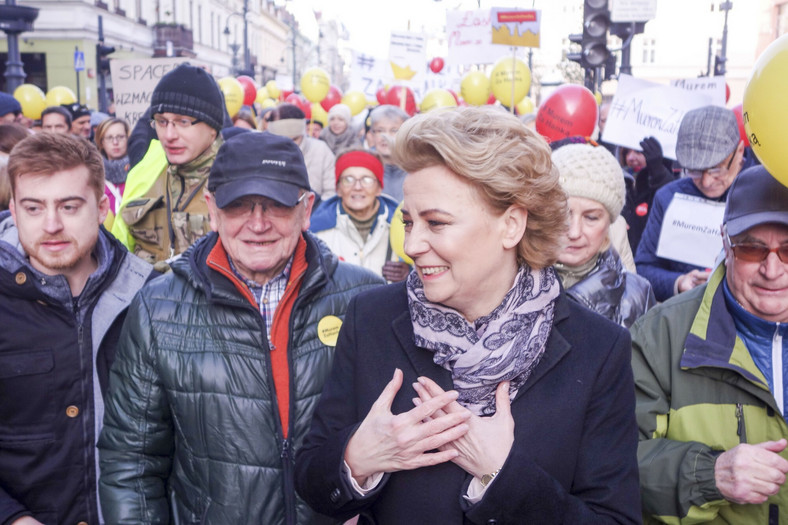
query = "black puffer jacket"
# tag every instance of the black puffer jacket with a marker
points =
(620, 296)
(193, 432)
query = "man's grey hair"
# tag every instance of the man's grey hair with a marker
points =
(387, 111)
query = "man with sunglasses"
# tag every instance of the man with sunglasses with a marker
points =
(163, 210)
(711, 375)
(222, 360)
(710, 150)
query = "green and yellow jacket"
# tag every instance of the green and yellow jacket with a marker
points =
(698, 393)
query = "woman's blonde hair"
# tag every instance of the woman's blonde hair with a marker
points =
(508, 163)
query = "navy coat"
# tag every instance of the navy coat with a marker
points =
(574, 454)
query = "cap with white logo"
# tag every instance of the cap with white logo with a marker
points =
(254, 163)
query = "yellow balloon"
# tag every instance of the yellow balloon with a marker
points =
(32, 100)
(525, 106)
(319, 114)
(507, 72)
(598, 97)
(356, 101)
(397, 235)
(233, 94)
(764, 110)
(437, 98)
(475, 88)
(268, 103)
(273, 90)
(315, 84)
(60, 95)
(262, 94)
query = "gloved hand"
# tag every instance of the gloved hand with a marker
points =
(652, 150)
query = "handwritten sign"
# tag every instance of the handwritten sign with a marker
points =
(514, 27)
(368, 74)
(691, 230)
(714, 87)
(133, 81)
(469, 38)
(645, 109)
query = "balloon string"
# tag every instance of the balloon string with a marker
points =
(514, 70)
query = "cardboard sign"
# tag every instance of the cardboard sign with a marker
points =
(408, 56)
(469, 38)
(133, 81)
(691, 231)
(514, 27)
(714, 87)
(645, 109)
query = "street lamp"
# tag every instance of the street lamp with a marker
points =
(234, 46)
(14, 20)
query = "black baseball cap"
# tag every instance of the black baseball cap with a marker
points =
(255, 163)
(755, 198)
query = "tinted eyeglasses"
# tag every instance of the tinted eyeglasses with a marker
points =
(756, 252)
(244, 208)
(715, 172)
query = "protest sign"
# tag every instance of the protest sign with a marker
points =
(368, 74)
(515, 27)
(133, 81)
(690, 230)
(469, 37)
(645, 109)
(632, 10)
(714, 87)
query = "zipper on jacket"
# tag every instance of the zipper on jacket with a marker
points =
(741, 429)
(289, 478)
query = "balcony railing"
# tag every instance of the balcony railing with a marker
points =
(180, 37)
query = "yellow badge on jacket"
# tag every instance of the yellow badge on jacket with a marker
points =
(328, 330)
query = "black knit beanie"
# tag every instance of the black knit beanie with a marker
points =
(190, 91)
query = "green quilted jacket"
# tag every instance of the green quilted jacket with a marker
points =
(698, 393)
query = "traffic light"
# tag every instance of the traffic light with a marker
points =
(593, 42)
(596, 23)
(102, 62)
(719, 66)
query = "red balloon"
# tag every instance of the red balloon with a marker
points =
(740, 120)
(284, 93)
(569, 111)
(491, 100)
(727, 92)
(250, 89)
(403, 97)
(333, 98)
(301, 102)
(381, 95)
(454, 94)
(436, 64)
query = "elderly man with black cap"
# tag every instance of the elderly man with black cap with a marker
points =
(222, 360)
(674, 242)
(711, 376)
(163, 211)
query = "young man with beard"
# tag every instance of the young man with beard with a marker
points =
(65, 285)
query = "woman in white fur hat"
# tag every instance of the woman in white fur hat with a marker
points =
(589, 267)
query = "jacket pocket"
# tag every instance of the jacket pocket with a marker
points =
(27, 400)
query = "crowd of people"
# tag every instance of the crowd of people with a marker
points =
(209, 319)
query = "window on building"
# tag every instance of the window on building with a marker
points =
(649, 50)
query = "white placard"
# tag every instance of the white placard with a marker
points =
(408, 60)
(632, 10)
(691, 231)
(133, 81)
(645, 109)
(469, 36)
(368, 74)
(714, 87)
